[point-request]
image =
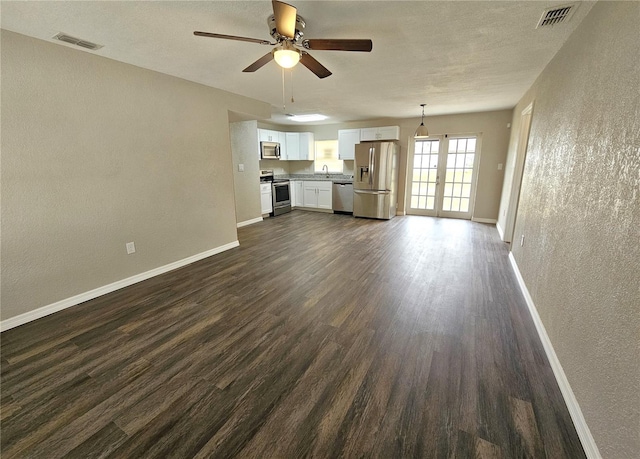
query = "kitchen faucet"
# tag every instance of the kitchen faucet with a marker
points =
(323, 167)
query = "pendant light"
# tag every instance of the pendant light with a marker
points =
(422, 132)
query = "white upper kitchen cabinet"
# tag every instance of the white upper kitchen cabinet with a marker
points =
(380, 133)
(267, 135)
(347, 141)
(292, 139)
(284, 150)
(307, 146)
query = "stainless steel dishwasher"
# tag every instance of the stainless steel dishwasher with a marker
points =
(342, 197)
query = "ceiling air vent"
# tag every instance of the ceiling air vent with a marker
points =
(556, 15)
(76, 41)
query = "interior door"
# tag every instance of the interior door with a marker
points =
(443, 178)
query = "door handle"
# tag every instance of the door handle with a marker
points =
(373, 166)
(370, 166)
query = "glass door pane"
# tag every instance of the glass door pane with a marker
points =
(424, 177)
(458, 177)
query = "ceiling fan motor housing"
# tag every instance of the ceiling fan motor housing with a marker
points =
(300, 24)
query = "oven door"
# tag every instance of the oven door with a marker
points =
(281, 195)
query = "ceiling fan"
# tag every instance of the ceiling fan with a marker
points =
(286, 28)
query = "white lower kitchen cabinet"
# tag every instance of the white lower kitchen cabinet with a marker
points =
(317, 195)
(265, 198)
(292, 193)
(297, 193)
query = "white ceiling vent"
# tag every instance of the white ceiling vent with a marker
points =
(556, 15)
(76, 41)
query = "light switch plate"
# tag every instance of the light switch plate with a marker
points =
(131, 248)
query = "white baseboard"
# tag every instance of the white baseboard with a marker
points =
(95, 293)
(491, 221)
(400, 213)
(587, 440)
(248, 222)
(500, 231)
(314, 209)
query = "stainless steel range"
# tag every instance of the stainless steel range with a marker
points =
(280, 192)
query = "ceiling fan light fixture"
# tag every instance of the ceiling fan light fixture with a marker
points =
(286, 56)
(422, 132)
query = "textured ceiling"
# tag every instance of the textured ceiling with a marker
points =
(455, 56)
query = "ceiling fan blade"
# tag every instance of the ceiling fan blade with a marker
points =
(260, 62)
(338, 45)
(231, 37)
(316, 67)
(285, 15)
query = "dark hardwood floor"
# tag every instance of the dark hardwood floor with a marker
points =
(320, 336)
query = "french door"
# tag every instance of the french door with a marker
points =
(443, 176)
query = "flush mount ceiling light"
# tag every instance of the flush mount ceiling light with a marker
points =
(307, 118)
(286, 56)
(422, 132)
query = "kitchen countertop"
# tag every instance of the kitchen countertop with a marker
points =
(317, 177)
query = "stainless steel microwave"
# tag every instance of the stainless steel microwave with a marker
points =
(269, 150)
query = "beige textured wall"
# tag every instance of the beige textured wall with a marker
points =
(96, 153)
(244, 149)
(580, 214)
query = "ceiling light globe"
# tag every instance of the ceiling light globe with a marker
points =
(286, 58)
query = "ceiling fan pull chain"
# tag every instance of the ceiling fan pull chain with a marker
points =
(292, 101)
(284, 105)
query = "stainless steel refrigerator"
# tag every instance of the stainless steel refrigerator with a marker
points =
(375, 180)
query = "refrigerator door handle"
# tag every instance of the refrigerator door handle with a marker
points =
(372, 166)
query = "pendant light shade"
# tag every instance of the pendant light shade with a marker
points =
(421, 132)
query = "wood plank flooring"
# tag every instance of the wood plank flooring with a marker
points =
(320, 336)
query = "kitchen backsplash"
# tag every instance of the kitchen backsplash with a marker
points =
(298, 167)
(278, 167)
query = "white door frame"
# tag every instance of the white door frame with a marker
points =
(518, 171)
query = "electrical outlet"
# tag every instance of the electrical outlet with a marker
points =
(499, 166)
(240, 167)
(131, 248)
(521, 240)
